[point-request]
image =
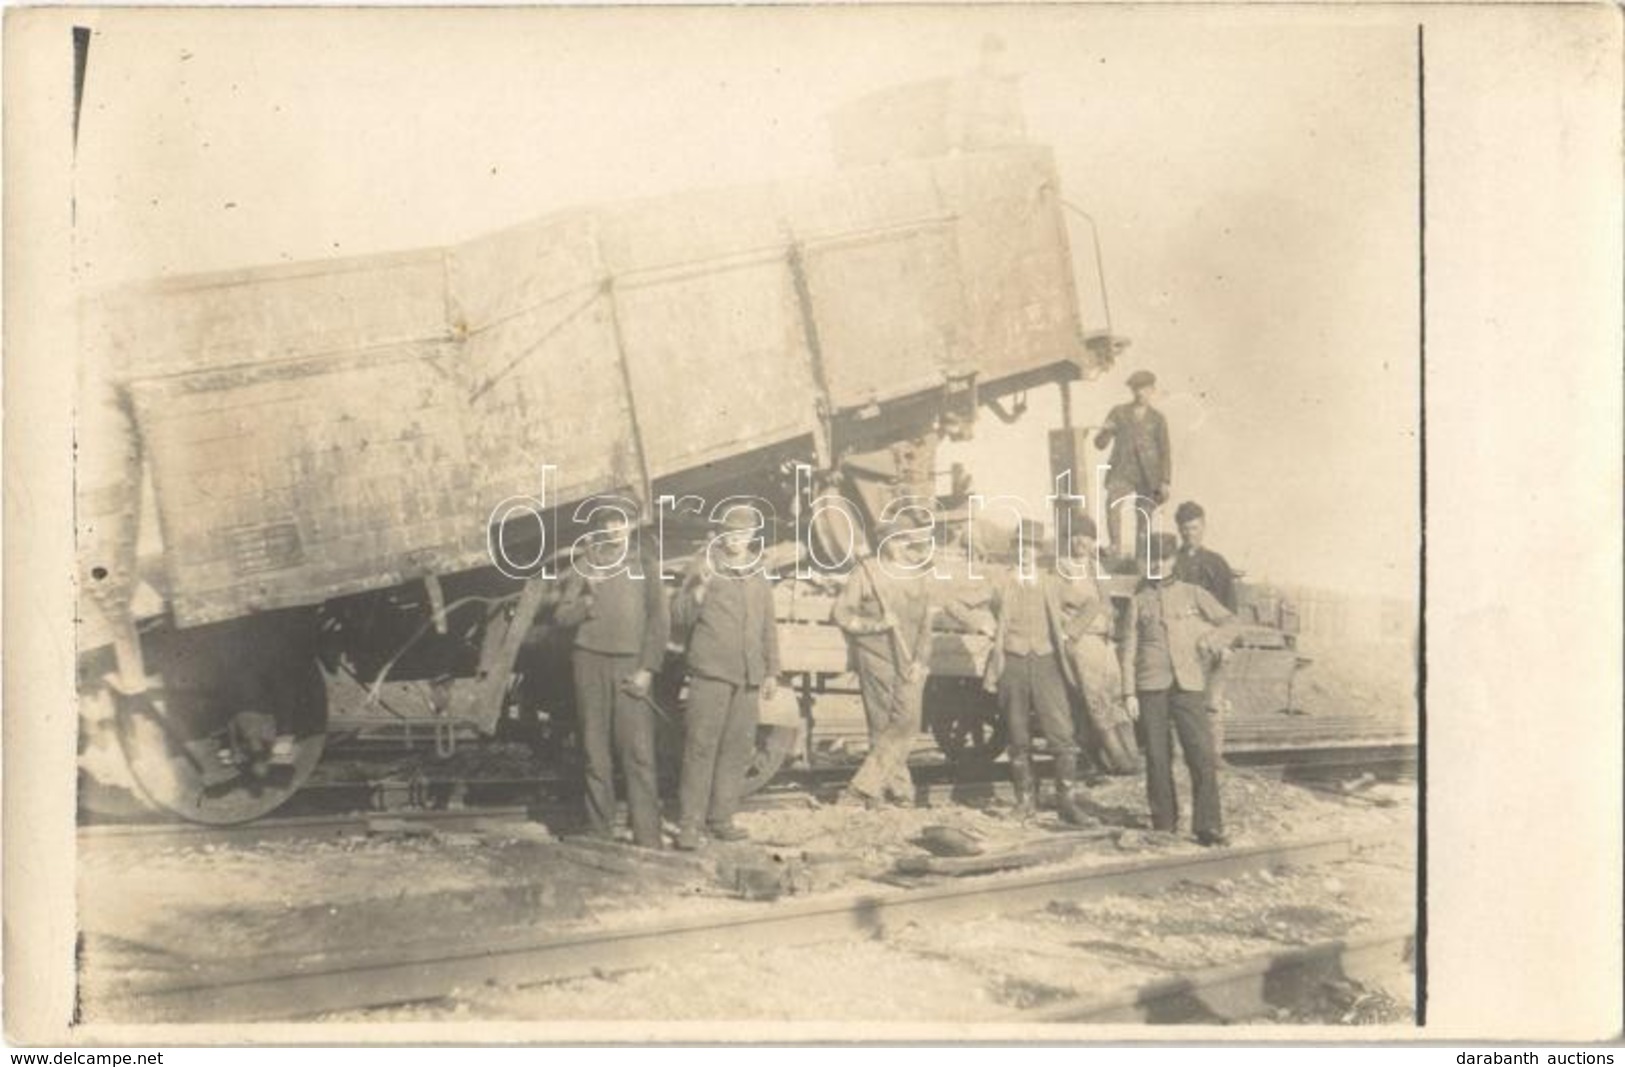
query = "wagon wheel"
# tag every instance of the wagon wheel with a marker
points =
(964, 721)
(968, 738)
(774, 745)
(198, 741)
(174, 743)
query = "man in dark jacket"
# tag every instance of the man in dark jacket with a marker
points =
(1142, 459)
(1199, 565)
(614, 599)
(726, 605)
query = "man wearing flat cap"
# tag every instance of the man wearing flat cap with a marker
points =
(1198, 564)
(726, 606)
(1172, 636)
(1028, 668)
(1141, 461)
(622, 625)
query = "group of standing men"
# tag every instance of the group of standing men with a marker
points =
(623, 627)
(1140, 673)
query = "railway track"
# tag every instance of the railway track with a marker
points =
(938, 784)
(1296, 758)
(353, 978)
(1330, 759)
(154, 835)
(1245, 989)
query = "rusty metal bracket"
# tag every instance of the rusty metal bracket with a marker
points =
(1018, 409)
(962, 411)
(481, 704)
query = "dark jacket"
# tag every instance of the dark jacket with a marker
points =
(1210, 571)
(1141, 453)
(619, 615)
(732, 633)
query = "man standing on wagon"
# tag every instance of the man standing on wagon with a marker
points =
(1141, 463)
(726, 605)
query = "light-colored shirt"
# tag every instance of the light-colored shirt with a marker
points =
(1026, 627)
(1167, 620)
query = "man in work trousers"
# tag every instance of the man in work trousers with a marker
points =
(1172, 632)
(1029, 670)
(885, 611)
(1141, 463)
(733, 659)
(1092, 647)
(614, 599)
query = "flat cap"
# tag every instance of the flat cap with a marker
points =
(1029, 530)
(1161, 548)
(739, 517)
(1141, 378)
(1083, 524)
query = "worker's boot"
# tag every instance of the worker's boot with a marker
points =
(726, 830)
(1066, 777)
(1021, 778)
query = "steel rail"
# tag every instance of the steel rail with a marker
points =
(1244, 989)
(293, 828)
(351, 978)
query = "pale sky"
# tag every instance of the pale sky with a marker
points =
(1254, 179)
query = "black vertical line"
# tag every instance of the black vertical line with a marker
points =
(1422, 503)
(81, 60)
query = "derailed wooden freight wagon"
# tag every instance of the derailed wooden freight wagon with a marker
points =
(323, 446)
